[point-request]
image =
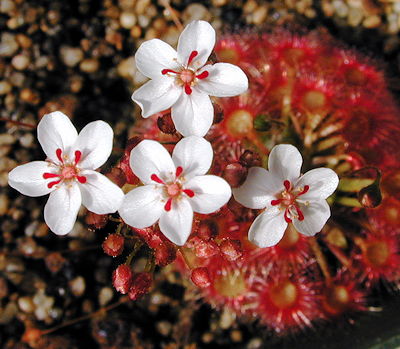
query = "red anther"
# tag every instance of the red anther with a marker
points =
(191, 57)
(203, 75)
(157, 179)
(81, 179)
(59, 155)
(122, 278)
(305, 190)
(52, 184)
(50, 175)
(287, 185)
(179, 171)
(141, 283)
(276, 202)
(78, 155)
(287, 219)
(189, 192)
(231, 249)
(188, 89)
(166, 71)
(200, 277)
(168, 205)
(113, 245)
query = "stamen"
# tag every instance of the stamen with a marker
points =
(305, 190)
(188, 90)
(59, 155)
(287, 219)
(203, 75)
(168, 205)
(78, 155)
(50, 175)
(276, 202)
(166, 71)
(155, 178)
(52, 184)
(287, 185)
(192, 55)
(179, 171)
(299, 213)
(189, 192)
(81, 179)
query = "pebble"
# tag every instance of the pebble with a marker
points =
(255, 343)
(5, 87)
(89, 65)
(355, 17)
(8, 45)
(77, 286)
(71, 56)
(7, 6)
(4, 203)
(372, 21)
(105, 296)
(27, 140)
(26, 304)
(127, 68)
(17, 79)
(341, 8)
(127, 20)
(260, 15)
(8, 313)
(227, 319)
(3, 288)
(164, 327)
(195, 11)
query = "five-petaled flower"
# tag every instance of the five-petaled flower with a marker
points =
(286, 196)
(182, 80)
(174, 187)
(68, 172)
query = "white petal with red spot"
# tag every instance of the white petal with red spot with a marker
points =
(181, 80)
(286, 197)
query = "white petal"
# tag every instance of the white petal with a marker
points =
(176, 224)
(315, 216)
(224, 80)
(55, 131)
(258, 189)
(62, 209)
(153, 56)
(142, 207)
(150, 157)
(95, 141)
(268, 228)
(285, 162)
(193, 114)
(210, 193)
(197, 36)
(194, 154)
(157, 95)
(28, 178)
(99, 194)
(322, 182)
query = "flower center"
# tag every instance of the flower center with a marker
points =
(173, 190)
(67, 171)
(186, 77)
(288, 200)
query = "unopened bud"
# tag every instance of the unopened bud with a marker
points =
(131, 178)
(122, 278)
(113, 245)
(370, 196)
(235, 174)
(218, 113)
(250, 158)
(207, 230)
(117, 176)
(200, 277)
(141, 283)
(96, 221)
(165, 254)
(206, 249)
(231, 249)
(165, 124)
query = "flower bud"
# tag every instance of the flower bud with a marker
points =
(205, 249)
(141, 283)
(207, 230)
(370, 196)
(250, 159)
(231, 249)
(122, 278)
(218, 113)
(165, 254)
(126, 169)
(165, 124)
(113, 245)
(235, 174)
(117, 176)
(96, 221)
(200, 277)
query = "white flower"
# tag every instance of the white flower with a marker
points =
(181, 80)
(68, 172)
(174, 187)
(286, 196)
